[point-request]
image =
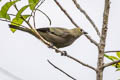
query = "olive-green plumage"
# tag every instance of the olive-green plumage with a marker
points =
(59, 37)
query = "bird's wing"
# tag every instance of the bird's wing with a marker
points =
(43, 29)
(62, 32)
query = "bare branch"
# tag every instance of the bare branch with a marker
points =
(91, 40)
(65, 12)
(61, 70)
(87, 16)
(111, 63)
(112, 51)
(86, 65)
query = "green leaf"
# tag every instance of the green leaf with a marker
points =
(118, 65)
(114, 65)
(18, 21)
(118, 54)
(113, 57)
(5, 8)
(118, 69)
(21, 10)
(107, 56)
(4, 16)
(34, 3)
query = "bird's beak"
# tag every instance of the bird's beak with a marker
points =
(83, 31)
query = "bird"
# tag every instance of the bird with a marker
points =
(57, 36)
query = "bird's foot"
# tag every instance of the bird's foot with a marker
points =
(64, 53)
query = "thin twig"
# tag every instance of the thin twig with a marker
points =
(45, 16)
(87, 16)
(34, 11)
(82, 63)
(112, 51)
(40, 4)
(111, 63)
(34, 22)
(61, 70)
(72, 21)
(14, 77)
(12, 14)
(36, 8)
(15, 6)
(91, 40)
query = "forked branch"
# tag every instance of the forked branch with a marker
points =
(111, 63)
(87, 16)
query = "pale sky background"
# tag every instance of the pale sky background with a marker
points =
(25, 57)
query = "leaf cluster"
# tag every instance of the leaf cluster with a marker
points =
(114, 58)
(19, 17)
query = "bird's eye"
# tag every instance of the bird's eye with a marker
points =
(81, 30)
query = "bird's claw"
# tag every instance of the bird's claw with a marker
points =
(64, 53)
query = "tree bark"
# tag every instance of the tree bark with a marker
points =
(100, 63)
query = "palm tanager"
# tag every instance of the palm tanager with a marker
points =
(57, 36)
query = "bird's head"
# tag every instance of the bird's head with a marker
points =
(78, 32)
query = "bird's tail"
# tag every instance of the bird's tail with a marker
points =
(24, 29)
(21, 28)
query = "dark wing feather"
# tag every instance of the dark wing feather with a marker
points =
(44, 29)
(62, 32)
